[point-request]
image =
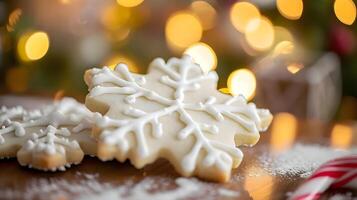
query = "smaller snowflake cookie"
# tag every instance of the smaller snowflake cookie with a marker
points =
(50, 138)
(174, 112)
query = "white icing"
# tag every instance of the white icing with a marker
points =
(9, 114)
(122, 82)
(51, 141)
(67, 112)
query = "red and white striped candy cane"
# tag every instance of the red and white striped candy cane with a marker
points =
(337, 173)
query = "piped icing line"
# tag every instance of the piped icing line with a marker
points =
(215, 154)
(176, 76)
(7, 114)
(135, 126)
(66, 112)
(128, 86)
(247, 116)
(8, 123)
(51, 141)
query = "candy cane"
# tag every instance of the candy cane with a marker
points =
(337, 173)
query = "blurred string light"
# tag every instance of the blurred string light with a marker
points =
(282, 34)
(129, 3)
(242, 82)
(258, 183)
(242, 13)
(116, 19)
(182, 29)
(290, 9)
(283, 48)
(203, 55)
(114, 60)
(33, 46)
(284, 41)
(205, 12)
(247, 48)
(16, 79)
(258, 30)
(260, 34)
(65, 2)
(341, 136)
(119, 35)
(284, 129)
(345, 11)
(294, 67)
(13, 19)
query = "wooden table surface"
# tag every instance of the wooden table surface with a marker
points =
(263, 186)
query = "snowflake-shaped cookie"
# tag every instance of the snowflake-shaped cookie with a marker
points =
(50, 138)
(174, 112)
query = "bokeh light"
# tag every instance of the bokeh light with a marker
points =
(17, 79)
(37, 45)
(116, 59)
(284, 41)
(284, 129)
(282, 34)
(261, 36)
(247, 48)
(341, 136)
(258, 182)
(21, 47)
(14, 17)
(33, 46)
(345, 11)
(182, 30)
(115, 17)
(129, 3)
(119, 35)
(242, 82)
(65, 2)
(242, 13)
(205, 12)
(290, 9)
(203, 55)
(283, 48)
(294, 67)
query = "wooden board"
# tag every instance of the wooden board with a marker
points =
(262, 186)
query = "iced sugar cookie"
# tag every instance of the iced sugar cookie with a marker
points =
(50, 138)
(173, 112)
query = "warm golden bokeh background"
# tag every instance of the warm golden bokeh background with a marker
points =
(47, 45)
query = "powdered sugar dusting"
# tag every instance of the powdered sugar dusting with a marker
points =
(88, 187)
(301, 160)
(227, 193)
(185, 188)
(56, 188)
